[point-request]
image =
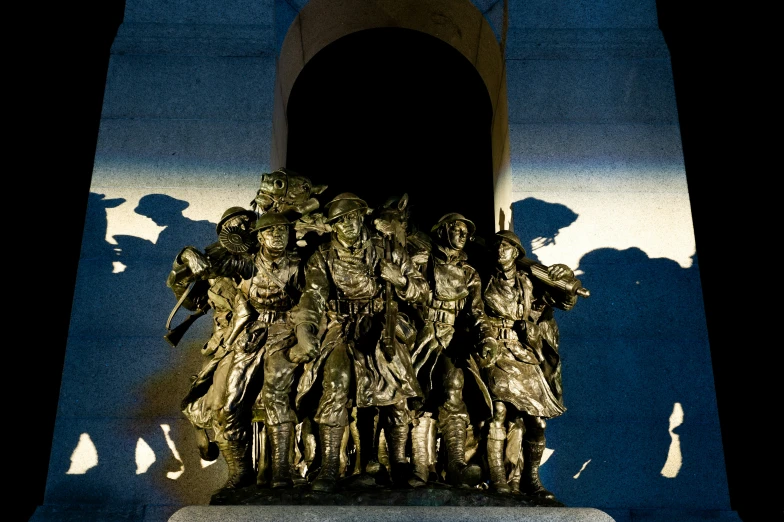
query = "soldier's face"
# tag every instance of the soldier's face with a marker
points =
(458, 234)
(274, 238)
(506, 252)
(348, 227)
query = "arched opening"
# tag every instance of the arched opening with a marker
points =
(384, 111)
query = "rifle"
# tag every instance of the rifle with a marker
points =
(391, 308)
(173, 336)
(390, 314)
(564, 291)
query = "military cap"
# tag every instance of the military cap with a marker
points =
(270, 219)
(343, 204)
(510, 237)
(233, 212)
(451, 218)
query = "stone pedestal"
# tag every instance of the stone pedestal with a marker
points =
(386, 514)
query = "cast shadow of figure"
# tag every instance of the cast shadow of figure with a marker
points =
(85, 457)
(94, 244)
(124, 373)
(637, 378)
(166, 376)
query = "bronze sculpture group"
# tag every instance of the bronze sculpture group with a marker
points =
(351, 353)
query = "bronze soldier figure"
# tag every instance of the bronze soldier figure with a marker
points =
(259, 307)
(523, 376)
(345, 286)
(261, 332)
(204, 281)
(455, 298)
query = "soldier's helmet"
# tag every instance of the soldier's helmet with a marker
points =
(233, 212)
(270, 219)
(451, 218)
(510, 237)
(343, 204)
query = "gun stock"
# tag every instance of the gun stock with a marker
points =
(174, 336)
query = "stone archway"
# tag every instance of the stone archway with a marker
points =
(457, 23)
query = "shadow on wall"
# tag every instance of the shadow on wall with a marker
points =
(635, 357)
(638, 382)
(122, 381)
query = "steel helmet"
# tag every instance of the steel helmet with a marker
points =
(511, 237)
(451, 218)
(270, 219)
(343, 204)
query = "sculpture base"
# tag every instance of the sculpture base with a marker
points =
(354, 494)
(387, 514)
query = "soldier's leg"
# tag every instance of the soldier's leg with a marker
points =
(332, 416)
(514, 453)
(396, 420)
(233, 418)
(200, 408)
(423, 449)
(533, 449)
(364, 433)
(496, 439)
(453, 421)
(280, 417)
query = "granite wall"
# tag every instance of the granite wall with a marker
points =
(580, 155)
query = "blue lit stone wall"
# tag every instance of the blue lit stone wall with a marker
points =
(594, 179)
(598, 183)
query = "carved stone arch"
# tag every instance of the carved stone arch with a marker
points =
(458, 23)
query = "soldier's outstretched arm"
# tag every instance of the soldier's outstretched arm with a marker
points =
(487, 345)
(311, 307)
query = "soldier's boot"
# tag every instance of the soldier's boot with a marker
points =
(458, 472)
(495, 462)
(514, 476)
(397, 438)
(239, 463)
(330, 438)
(420, 454)
(280, 448)
(208, 450)
(530, 484)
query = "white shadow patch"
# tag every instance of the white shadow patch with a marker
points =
(84, 456)
(582, 469)
(674, 458)
(207, 463)
(546, 455)
(145, 456)
(174, 475)
(118, 267)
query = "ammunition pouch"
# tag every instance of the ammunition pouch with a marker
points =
(355, 307)
(438, 315)
(272, 316)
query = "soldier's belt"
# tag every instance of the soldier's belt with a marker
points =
(438, 315)
(271, 316)
(507, 333)
(353, 306)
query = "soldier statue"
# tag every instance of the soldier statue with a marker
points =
(442, 351)
(208, 280)
(264, 345)
(523, 375)
(354, 363)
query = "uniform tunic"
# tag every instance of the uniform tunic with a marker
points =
(268, 294)
(455, 297)
(343, 287)
(517, 376)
